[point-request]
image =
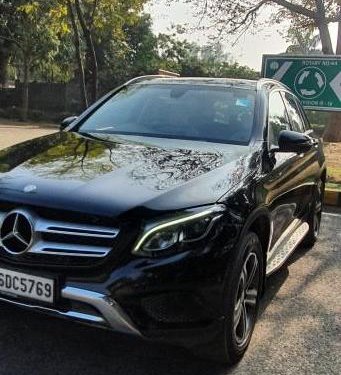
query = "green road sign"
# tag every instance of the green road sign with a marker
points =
(316, 80)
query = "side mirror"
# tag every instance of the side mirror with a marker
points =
(290, 141)
(67, 121)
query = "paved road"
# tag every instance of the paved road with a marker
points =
(298, 331)
(12, 133)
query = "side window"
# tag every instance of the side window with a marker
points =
(278, 118)
(294, 114)
(304, 116)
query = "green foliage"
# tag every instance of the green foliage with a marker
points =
(303, 41)
(35, 30)
(147, 53)
(39, 34)
(120, 60)
(189, 59)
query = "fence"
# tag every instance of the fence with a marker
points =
(47, 98)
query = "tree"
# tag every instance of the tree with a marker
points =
(103, 18)
(338, 45)
(237, 16)
(304, 42)
(8, 23)
(190, 59)
(32, 28)
(78, 54)
(39, 37)
(124, 58)
(87, 28)
(173, 52)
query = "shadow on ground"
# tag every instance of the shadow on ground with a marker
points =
(37, 344)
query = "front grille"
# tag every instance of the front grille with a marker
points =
(57, 239)
(61, 238)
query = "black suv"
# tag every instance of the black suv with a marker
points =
(161, 210)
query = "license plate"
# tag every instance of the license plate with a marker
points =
(24, 285)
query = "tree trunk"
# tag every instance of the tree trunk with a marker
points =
(4, 58)
(91, 52)
(326, 41)
(338, 46)
(333, 130)
(81, 75)
(25, 93)
(322, 24)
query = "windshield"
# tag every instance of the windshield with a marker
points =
(181, 111)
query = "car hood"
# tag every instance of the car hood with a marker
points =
(112, 175)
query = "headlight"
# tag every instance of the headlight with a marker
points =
(188, 227)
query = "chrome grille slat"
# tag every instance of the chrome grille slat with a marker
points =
(52, 237)
(55, 248)
(49, 226)
(81, 234)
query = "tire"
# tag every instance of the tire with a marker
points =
(231, 342)
(315, 215)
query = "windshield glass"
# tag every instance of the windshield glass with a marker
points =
(206, 113)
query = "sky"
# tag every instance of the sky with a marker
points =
(247, 51)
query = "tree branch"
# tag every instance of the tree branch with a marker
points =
(93, 13)
(91, 49)
(249, 14)
(295, 8)
(12, 40)
(78, 54)
(336, 18)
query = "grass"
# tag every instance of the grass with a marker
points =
(333, 158)
(331, 186)
(334, 174)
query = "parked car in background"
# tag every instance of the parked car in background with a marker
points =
(161, 210)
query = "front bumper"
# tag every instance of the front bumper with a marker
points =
(93, 308)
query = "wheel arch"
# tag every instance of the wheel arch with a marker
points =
(259, 222)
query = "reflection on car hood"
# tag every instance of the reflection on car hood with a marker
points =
(111, 175)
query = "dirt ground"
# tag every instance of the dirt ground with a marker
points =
(333, 156)
(13, 132)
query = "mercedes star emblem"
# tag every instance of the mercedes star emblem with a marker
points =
(16, 232)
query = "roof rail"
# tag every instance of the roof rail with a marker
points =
(263, 81)
(168, 73)
(142, 78)
(161, 74)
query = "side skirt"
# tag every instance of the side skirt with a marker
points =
(286, 245)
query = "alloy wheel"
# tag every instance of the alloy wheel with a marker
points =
(246, 300)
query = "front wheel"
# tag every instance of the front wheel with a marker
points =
(242, 292)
